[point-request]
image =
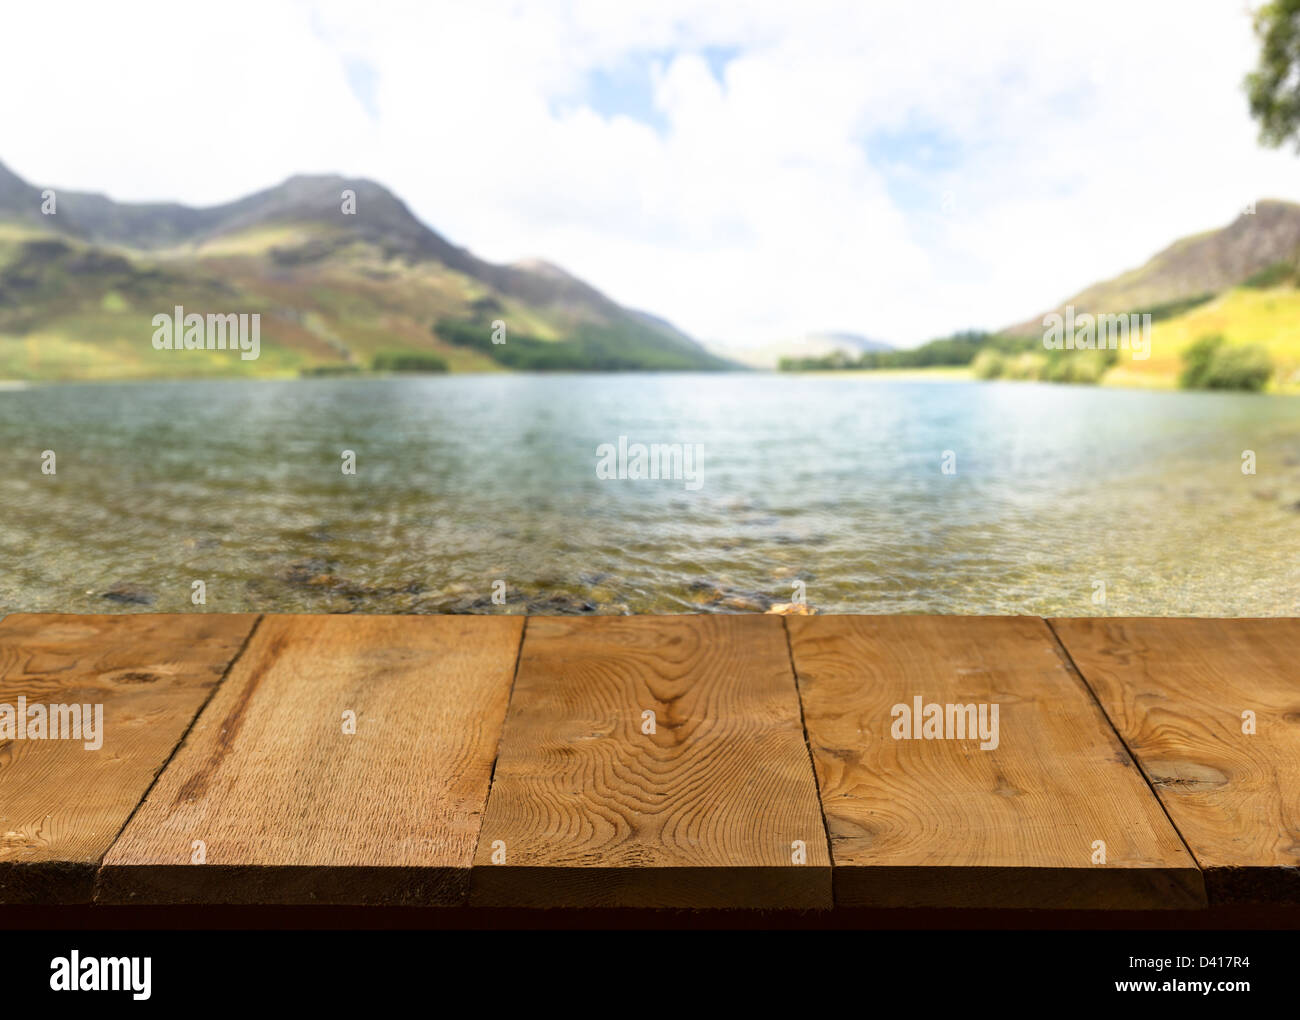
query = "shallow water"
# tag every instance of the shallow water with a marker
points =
(834, 482)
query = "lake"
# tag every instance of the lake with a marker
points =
(833, 484)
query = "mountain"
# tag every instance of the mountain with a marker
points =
(809, 345)
(1240, 283)
(334, 289)
(1193, 270)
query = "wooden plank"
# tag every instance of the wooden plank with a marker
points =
(944, 823)
(704, 812)
(290, 809)
(61, 804)
(1176, 691)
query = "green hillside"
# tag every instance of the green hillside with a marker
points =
(1192, 269)
(1267, 318)
(79, 290)
(1224, 311)
(1239, 285)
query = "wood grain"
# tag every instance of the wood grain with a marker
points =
(1176, 691)
(942, 823)
(62, 805)
(293, 810)
(704, 812)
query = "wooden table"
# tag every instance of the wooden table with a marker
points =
(651, 762)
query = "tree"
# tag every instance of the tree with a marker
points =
(1274, 86)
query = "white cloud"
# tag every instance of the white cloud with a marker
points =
(803, 190)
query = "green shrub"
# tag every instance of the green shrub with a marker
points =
(988, 365)
(1030, 365)
(408, 361)
(1240, 368)
(1086, 366)
(1211, 364)
(339, 368)
(1196, 361)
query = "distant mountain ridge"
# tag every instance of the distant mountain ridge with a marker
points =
(318, 276)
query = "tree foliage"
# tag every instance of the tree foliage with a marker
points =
(1274, 85)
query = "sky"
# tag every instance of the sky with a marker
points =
(750, 171)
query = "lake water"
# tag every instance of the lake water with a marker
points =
(832, 481)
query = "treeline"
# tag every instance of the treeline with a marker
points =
(1004, 355)
(519, 351)
(1210, 363)
(1079, 366)
(957, 350)
(384, 361)
(591, 348)
(408, 361)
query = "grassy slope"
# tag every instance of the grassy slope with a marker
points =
(1269, 318)
(1221, 263)
(1140, 287)
(72, 311)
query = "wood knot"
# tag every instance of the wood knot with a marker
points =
(1186, 775)
(136, 677)
(12, 842)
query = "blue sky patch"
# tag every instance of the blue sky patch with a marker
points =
(627, 89)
